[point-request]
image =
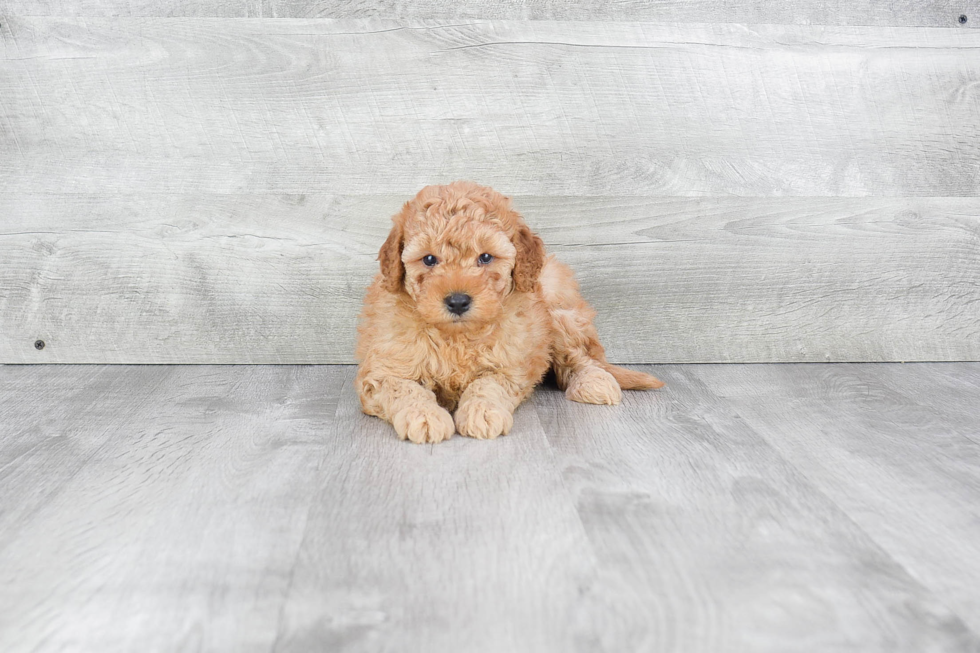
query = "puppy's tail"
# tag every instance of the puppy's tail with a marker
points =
(631, 379)
(575, 341)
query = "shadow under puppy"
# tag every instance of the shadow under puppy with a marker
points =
(466, 317)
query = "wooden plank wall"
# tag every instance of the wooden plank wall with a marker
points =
(733, 181)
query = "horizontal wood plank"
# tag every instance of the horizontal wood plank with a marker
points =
(936, 13)
(279, 279)
(550, 108)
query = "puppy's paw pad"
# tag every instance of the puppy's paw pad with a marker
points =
(481, 419)
(422, 424)
(594, 385)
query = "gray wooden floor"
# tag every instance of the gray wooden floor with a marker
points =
(742, 508)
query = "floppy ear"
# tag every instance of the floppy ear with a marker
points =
(529, 261)
(390, 256)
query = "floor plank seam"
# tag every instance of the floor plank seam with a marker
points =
(881, 549)
(314, 490)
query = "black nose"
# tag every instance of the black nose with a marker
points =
(458, 303)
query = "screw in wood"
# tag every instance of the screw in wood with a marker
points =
(39, 345)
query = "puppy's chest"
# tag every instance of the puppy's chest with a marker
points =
(453, 366)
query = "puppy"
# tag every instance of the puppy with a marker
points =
(467, 315)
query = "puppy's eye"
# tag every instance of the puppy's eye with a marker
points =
(429, 260)
(485, 258)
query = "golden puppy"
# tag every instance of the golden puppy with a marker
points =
(466, 317)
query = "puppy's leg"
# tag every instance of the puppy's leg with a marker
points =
(486, 407)
(411, 408)
(578, 357)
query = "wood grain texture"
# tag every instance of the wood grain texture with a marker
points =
(53, 424)
(904, 466)
(155, 508)
(948, 391)
(705, 536)
(551, 108)
(279, 279)
(466, 545)
(937, 13)
(238, 508)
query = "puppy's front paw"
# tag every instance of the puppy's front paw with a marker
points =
(594, 385)
(422, 424)
(481, 419)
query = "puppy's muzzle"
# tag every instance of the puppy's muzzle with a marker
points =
(458, 303)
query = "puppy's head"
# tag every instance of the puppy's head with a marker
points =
(458, 251)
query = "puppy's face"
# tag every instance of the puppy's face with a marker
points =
(458, 251)
(458, 272)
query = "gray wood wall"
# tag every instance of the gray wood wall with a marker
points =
(733, 181)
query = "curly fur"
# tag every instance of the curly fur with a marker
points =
(431, 373)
